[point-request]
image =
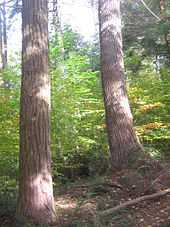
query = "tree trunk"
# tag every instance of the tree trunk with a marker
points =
(59, 34)
(1, 43)
(123, 142)
(56, 19)
(162, 5)
(35, 201)
(162, 8)
(4, 60)
(59, 62)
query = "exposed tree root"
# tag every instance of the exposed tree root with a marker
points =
(134, 201)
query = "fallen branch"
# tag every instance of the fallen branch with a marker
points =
(156, 180)
(134, 201)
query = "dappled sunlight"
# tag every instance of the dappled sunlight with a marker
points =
(71, 204)
(65, 203)
(124, 104)
(40, 187)
(72, 208)
(151, 106)
(43, 93)
(43, 183)
(111, 17)
(66, 175)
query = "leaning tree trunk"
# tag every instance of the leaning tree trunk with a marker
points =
(35, 201)
(122, 139)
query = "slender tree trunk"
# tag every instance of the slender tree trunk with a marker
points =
(123, 142)
(1, 44)
(56, 19)
(162, 8)
(59, 62)
(58, 33)
(162, 5)
(35, 201)
(5, 53)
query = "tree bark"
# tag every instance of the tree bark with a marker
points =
(35, 201)
(162, 5)
(162, 8)
(5, 53)
(1, 43)
(56, 19)
(58, 34)
(123, 142)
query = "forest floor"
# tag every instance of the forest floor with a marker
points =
(80, 203)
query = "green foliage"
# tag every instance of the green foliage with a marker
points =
(78, 129)
(151, 33)
(9, 122)
(79, 142)
(9, 139)
(149, 95)
(72, 41)
(133, 60)
(8, 195)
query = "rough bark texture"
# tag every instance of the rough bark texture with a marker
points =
(35, 201)
(122, 139)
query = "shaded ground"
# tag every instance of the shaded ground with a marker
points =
(80, 203)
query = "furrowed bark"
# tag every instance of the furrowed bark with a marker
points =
(121, 135)
(35, 201)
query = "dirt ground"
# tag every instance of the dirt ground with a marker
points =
(79, 204)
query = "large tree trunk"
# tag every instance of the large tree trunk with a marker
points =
(122, 139)
(35, 201)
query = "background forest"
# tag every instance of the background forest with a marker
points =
(78, 131)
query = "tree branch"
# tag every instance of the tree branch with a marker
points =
(134, 201)
(147, 7)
